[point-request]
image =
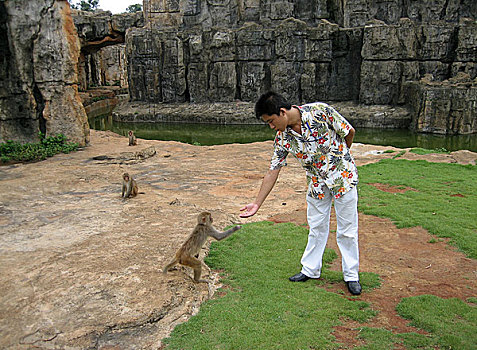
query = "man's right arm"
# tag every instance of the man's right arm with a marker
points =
(267, 184)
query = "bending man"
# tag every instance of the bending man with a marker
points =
(320, 138)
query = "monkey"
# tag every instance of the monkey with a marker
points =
(188, 253)
(132, 138)
(129, 187)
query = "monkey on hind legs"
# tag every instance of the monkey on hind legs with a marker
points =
(187, 255)
(129, 188)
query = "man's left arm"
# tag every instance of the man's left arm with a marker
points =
(349, 138)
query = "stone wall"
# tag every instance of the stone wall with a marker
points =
(39, 49)
(443, 108)
(356, 13)
(358, 50)
(222, 65)
(222, 51)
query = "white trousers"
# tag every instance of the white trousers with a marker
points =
(318, 212)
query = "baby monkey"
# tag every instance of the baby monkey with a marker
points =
(132, 138)
(129, 187)
(189, 252)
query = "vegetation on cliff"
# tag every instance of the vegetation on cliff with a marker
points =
(12, 151)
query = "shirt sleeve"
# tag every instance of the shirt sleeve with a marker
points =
(337, 122)
(280, 153)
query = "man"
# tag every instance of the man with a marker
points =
(320, 138)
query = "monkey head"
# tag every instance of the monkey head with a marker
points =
(205, 218)
(126, 177)
(130, 133)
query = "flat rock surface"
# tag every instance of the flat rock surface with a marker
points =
(80, 268)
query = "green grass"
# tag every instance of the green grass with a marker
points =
(262, 309)
(12, 151)
(451, 322)
(382, 339)
(401, 153)
(444, 201)
(424, 151)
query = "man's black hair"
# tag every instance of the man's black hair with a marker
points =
(270, 103)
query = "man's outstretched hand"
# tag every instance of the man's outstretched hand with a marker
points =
(249, 210)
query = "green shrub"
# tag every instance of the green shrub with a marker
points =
(12, 151)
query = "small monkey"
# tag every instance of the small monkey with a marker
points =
(129, 187)
(132, 138)
(188, 254)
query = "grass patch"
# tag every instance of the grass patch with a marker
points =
(451, 322)
(262, 309)
(380, 339)
(445, 202)
(401, 153)
(12, 151)
(424, 151)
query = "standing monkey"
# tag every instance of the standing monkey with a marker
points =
(129, 187)
(188, 253)
(132, 138)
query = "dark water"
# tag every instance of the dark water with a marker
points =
(207, 134)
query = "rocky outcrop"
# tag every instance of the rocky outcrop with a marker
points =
(103, 60)
(362, 51)
(443, 108)
(38, 73)
(360, 116)
(224, 65)
(356, 13)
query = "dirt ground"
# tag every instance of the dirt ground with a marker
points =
(404, 259)
(79, 268)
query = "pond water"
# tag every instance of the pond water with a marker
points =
(207, 134)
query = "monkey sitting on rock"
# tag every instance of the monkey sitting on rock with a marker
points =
(188, 254)
(129, 188)
(132, 138)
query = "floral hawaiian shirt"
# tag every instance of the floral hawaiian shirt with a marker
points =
(321, 149)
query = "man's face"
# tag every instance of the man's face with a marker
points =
(275, 121)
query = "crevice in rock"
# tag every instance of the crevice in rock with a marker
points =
(39, 107)
(442, 15)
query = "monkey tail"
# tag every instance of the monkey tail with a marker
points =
(168, 266)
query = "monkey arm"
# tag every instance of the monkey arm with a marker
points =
(128, 189)
(221, 235)
(267, 184)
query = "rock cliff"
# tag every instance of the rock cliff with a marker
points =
(39, 50)
(362, 50)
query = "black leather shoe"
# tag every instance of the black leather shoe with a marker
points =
(299, 277)
(354, 287)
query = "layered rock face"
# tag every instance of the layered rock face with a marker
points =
(38, 72)
(359, 50)
(103, 59)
